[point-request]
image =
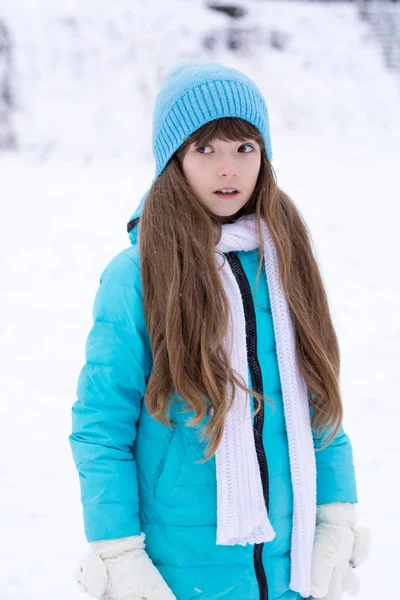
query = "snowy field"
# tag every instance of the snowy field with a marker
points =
(335, 137)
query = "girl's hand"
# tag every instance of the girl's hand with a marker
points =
(339, 546)
(121, 569)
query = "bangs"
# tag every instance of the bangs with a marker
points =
(227, 129)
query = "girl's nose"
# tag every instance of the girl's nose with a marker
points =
(228, 170)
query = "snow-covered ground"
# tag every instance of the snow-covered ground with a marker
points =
(65, 201)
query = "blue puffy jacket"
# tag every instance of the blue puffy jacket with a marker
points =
(138, 475)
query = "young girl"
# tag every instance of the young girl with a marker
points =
(208, 422)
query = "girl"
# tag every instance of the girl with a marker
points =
(208, 421)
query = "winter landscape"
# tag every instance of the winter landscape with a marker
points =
(84, 78)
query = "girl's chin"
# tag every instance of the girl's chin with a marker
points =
(227, 211)
(227, 218)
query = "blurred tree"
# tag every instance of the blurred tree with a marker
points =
(232, 10)
(384, 18)
(235, 36)
(7, 138)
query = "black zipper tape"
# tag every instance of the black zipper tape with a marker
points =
(257, 385)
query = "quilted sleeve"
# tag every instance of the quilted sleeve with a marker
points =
(336, 481)
(110, 389)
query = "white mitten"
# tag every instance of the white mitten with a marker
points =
(121, 569)
(339, 546)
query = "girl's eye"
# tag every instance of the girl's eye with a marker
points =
(249, 145)
(200, 148)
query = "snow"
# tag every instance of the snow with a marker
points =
(84, 126)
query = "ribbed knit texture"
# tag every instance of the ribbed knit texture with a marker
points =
(194, 95)
(242, 515)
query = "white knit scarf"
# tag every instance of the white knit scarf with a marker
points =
(241, 512)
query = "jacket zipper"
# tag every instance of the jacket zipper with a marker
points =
(257, 385)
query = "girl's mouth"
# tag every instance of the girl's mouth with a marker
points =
(227, 194)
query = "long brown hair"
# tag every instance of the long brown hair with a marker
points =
(186, 308)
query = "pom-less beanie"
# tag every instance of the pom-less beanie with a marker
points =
(195, 94)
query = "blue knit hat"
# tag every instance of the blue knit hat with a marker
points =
(195, 94)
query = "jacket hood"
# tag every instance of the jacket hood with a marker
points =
(133, 223)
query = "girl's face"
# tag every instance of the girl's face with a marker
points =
(223, 164)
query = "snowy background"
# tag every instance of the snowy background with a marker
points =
(85, 76)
